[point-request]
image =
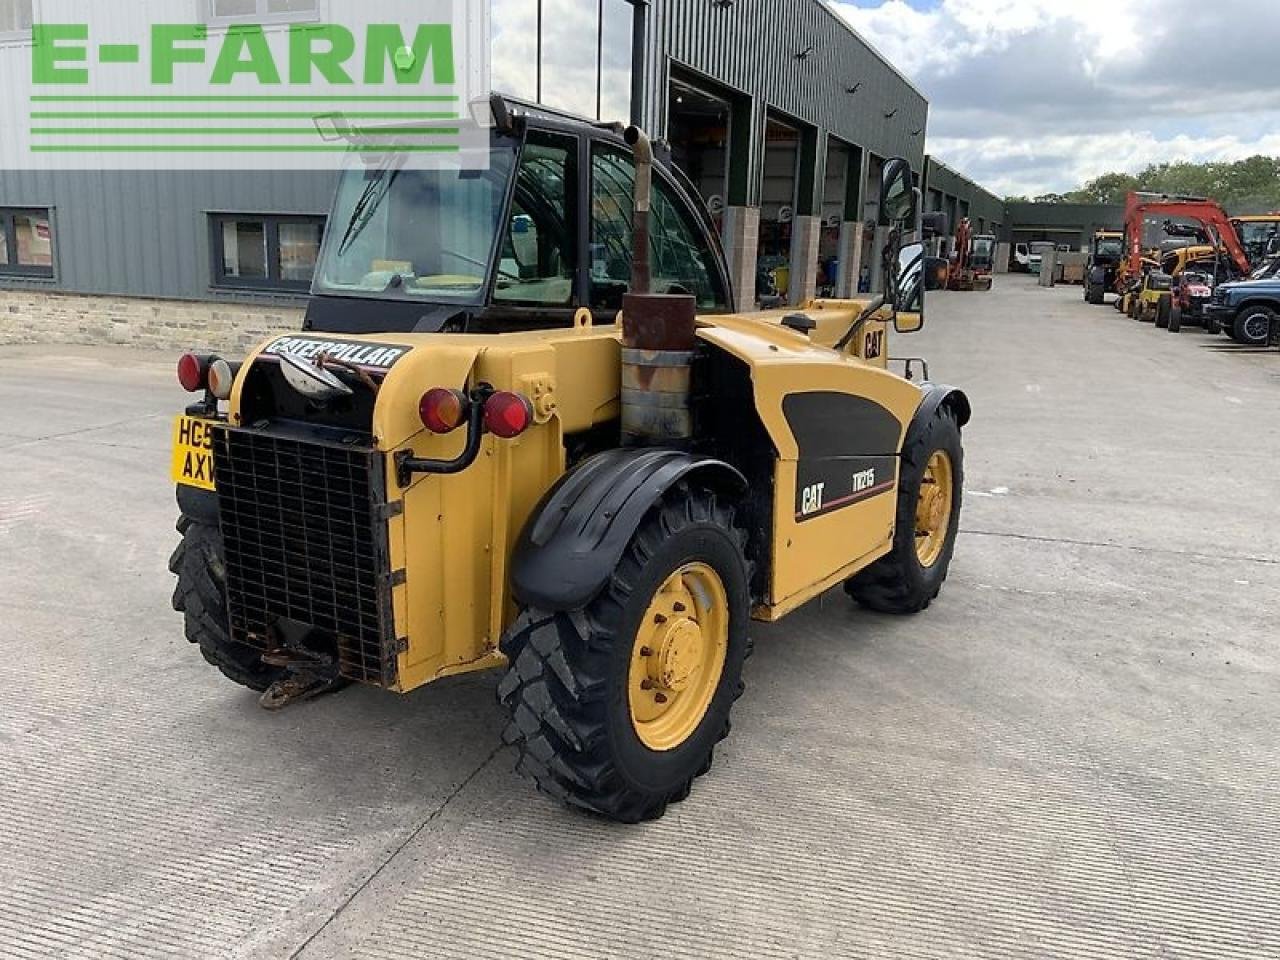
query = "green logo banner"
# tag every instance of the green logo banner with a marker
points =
(249, 84)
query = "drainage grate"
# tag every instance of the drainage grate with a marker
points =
(305, 542)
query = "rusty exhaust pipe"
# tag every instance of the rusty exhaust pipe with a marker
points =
(642, 150)
(658, 331)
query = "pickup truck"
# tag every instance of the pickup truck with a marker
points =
(1248, 310)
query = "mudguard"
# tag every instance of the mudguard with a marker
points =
(577, 536)
(937, 396)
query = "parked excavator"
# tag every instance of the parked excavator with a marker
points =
(973, 261)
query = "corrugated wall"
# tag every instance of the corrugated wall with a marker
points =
(753, 46)
(147, 233)
(983, 204)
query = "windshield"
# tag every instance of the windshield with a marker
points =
(1260, 238)
(1110, 248)
(983, 247)
(416, 234)
(1266, 270)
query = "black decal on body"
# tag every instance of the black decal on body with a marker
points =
(848, 450)
(374, 356)
(825, 486)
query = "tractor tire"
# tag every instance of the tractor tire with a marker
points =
(909, 578)
(596, 717)
(1163, 311)
(1175, 320)
(1252, 327)
(1095, 294)
(198, 565)
(1212, 326)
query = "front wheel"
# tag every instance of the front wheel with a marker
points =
(930, 491)
(1163, 311)
(618, 707)
(1253, 326)
(1175, 320)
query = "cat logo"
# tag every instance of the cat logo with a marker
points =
(811, 499)
(864, 481)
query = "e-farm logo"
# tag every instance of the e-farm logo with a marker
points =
(128, 89)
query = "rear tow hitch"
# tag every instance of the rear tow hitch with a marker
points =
(310, 675)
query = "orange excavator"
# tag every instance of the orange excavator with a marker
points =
(1141, 208)
(973, 260)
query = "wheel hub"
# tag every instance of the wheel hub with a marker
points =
(678, 657)
(933, 509)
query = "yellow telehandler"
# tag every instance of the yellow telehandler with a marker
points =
(524, 430)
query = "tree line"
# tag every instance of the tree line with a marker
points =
(1243, 187)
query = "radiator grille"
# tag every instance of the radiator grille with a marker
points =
(304, 541)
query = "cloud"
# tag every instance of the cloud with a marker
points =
(1038, 96)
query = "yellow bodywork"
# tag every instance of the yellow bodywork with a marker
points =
(454, 535)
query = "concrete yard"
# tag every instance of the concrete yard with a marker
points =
(1074, 754)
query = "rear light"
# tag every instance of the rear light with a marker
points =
(443, 411)
(508, 415)
(221, 377)
(193, 370)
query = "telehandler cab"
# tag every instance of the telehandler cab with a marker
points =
(524, 430)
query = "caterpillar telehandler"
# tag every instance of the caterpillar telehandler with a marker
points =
(523, 430)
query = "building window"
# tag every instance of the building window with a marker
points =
(262, 11)
(15, 19)
(26, 243)
(265, 253)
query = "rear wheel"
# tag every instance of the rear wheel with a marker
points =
(910, 577)
(618, 707)
(1211, 325)
(1253, 326)
(1094, 293)
(202, 575)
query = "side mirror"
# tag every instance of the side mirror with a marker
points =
(908, 286)
(898, 197)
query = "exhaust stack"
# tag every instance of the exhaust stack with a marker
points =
(658, 332)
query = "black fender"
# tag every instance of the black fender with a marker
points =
(579, 533)
(198, 505)
(937, 396)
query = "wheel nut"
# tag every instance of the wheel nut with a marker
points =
(659, 619)
(679, 608)
(659, 698)
(646, 651)
(646, 684)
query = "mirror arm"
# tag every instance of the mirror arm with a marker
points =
(864, 318)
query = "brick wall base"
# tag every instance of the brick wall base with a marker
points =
(32, 316)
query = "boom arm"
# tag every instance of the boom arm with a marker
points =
(1206, 212)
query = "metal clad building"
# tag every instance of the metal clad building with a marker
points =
(777, 110)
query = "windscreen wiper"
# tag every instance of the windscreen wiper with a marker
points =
(366, 207)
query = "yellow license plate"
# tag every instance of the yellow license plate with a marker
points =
(193, 452)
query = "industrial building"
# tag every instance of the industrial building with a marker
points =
(1065, 224)
(780, 114)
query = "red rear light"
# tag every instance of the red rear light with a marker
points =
(192, 370)
(443, 411)
(508, 415)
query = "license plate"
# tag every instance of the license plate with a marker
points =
(193, 453)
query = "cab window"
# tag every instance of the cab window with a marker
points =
(538, 259)
(680, 258)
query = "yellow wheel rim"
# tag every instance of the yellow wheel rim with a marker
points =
(678, 657)
(933, 509)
